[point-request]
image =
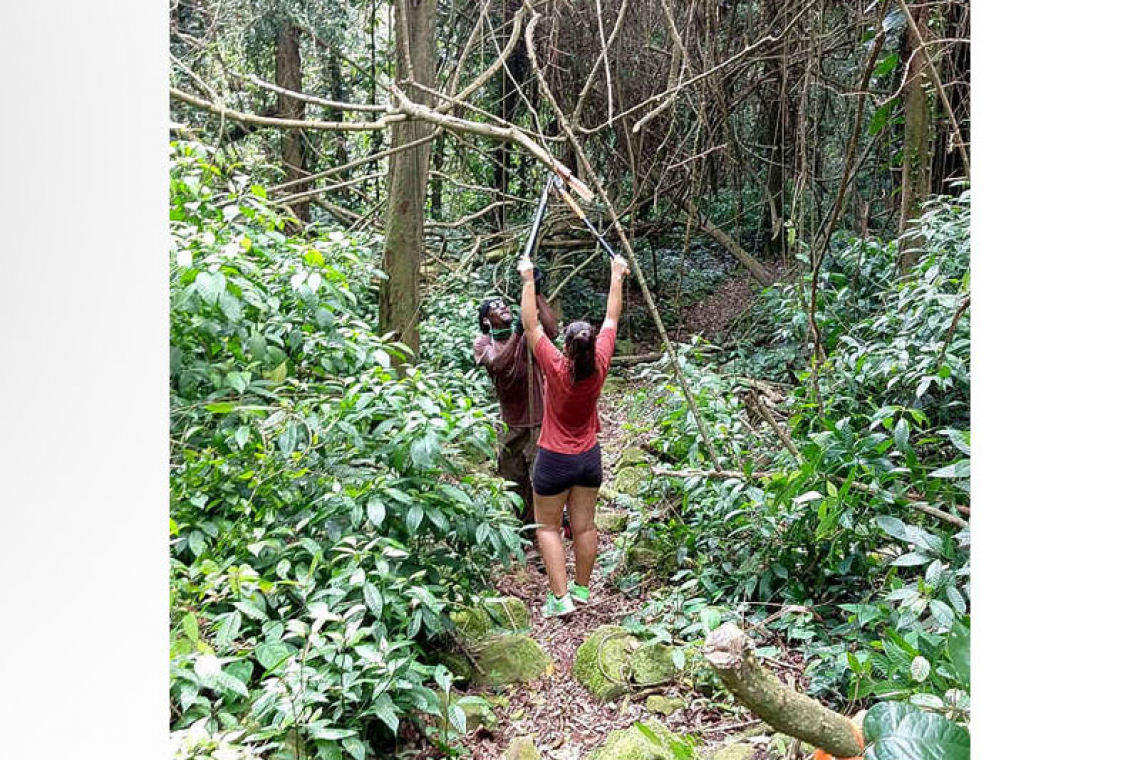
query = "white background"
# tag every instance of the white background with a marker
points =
(83, 380)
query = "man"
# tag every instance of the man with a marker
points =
(502, 349)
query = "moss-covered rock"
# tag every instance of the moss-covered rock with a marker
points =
(656, 703)
(508, 613)
(479, 714)
(653, 664)
(601, 662)
(522, 748)
(632, 456)
(472, 623)
(611, 520)
(457, 662)
(632, 744)
(647, 555)
(628, 481)
(734, 751)
(510, 659)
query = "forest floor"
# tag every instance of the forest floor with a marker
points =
(564, 720)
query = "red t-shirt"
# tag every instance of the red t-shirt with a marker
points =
(570, 412)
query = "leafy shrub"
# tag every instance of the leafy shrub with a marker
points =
(326, 509)
(835, 531)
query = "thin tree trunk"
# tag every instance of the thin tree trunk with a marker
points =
(288, 76)
(408, 174)
(916, 146)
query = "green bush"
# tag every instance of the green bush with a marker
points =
(326, 510)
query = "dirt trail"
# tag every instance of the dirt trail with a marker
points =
(565, 721)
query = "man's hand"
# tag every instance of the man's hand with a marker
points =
(539, 279)
(619, 267)
(526, 268)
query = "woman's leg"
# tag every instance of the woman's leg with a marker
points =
(548, 512)
(582, 502)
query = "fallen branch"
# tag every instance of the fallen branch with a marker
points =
(758, 270)
(785, 709)
(269, 121)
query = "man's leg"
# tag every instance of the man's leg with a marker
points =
(513, 466)
(529, 455)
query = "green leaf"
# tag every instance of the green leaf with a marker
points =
(414, 517)
(900, 731)
(956, 600)
(919, 668)
(902, 435)
(251, 610)
(331, 734)
(892, 526)
(279, 373)
(313, 258)
(457, 718)
(229, 629)
(374, 599)
(220, 407)
(960, 469)
(190, 626)
(377, 511)
(942, 613)
(880, 117)
(911, 559)
(238, 380)
(958, 645)
(355, 747)
(226, 682)
(383, 709)
(425, 451)
(210, 286)
(272, 654)
(887, 65)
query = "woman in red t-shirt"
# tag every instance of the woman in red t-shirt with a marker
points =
(568, 468)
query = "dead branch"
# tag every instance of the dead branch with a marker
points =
(729, 652)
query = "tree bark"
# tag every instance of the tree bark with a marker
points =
(288, 75)
(782, 707)
(916, 165)
(408, 175)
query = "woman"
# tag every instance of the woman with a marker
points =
(568, 468)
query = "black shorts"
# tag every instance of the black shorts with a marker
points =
(555, 473)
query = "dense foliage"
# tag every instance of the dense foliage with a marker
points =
(326, 509)
(874, 591)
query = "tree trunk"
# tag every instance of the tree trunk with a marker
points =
(408, 174)
(782, 707)
(916, 162)
(288, 75)
(337, 91)
(511, 75)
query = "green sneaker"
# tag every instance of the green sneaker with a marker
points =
(556, 607)
(581, 594)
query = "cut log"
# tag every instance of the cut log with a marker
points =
(786, 710)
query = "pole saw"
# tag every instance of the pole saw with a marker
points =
(556, 182)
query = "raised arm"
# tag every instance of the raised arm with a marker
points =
(546, 316)
(531, 326)
(618, 270)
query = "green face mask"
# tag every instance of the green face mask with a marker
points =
(502, 333)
